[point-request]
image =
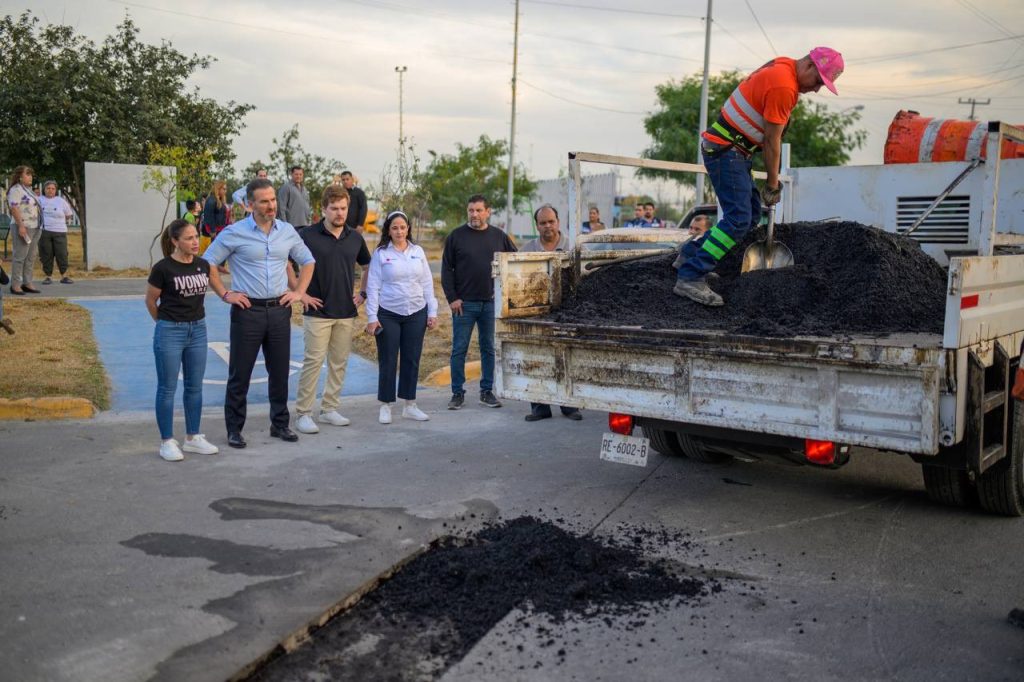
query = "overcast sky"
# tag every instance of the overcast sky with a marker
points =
(586, 74)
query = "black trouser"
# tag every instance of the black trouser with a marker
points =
(53, 244)
(403, 334)
(265, 325)
(541, 408)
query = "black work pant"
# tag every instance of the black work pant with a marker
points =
(53, 245)
(541, 408)
(402, 335)
(254, 328)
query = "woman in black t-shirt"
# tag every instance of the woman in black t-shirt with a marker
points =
(177, 289)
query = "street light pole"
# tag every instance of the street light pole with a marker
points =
(703, 122)
(512, 132)
(400, 70)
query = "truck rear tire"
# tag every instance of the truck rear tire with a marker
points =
(1001, 486)
(693, 448)
(951, 487)
(664, 441)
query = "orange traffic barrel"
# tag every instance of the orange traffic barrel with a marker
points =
(914, 138)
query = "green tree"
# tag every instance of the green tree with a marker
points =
(65, 100)
(819, 137)
(450, 179)
(288, 151)
(190, 177)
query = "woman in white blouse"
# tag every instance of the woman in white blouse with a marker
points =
(400, 307)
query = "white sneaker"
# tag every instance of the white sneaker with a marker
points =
(170, 452)
(200, 445)
(385, 414)
(305, 424)
(410, 411)
(334, 418)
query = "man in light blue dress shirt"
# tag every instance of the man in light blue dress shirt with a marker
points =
(257, 250)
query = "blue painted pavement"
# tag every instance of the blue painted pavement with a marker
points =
(124, 333)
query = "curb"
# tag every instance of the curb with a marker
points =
(443, 376)
(46, 409)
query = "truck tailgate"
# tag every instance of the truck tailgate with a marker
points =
(880, 393)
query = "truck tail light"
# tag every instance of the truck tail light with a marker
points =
(621, 424)
(820, 451)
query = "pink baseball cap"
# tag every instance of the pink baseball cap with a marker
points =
(830, 66)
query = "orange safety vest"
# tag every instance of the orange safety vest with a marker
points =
(766, 96)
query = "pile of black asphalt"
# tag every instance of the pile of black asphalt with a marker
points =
(426, 617)
(848, 279)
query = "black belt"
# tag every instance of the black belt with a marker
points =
(265, 302)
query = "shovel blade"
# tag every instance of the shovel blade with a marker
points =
(760, 256)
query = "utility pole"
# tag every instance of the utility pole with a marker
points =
(512, 133)
(400, 70)
(974, 102)
(703, 122)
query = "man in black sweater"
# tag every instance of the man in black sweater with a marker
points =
(357, 202)
(469, 288)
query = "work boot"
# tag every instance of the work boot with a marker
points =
(698, 291)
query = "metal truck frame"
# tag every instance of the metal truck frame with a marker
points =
(942, 399)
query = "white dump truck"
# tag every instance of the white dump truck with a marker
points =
(943, 399)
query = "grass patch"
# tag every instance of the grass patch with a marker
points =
(53, 353)
(437, 344)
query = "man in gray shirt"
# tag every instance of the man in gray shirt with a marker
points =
(293, 200)
(550, 239)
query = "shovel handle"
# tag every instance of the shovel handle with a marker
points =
(771, 229)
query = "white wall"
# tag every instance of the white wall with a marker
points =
(121, 218)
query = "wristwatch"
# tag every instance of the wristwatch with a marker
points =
(363, 294)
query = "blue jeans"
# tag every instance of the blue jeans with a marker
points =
(729, 173)
(179, 345)
(480, 314)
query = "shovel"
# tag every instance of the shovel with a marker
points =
(767, 254)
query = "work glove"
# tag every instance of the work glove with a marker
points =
(771, 195)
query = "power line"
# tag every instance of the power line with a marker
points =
(613, 9)
(978, 12)
(898, 55)
(581, 104)
(758, 22)
(742, 43)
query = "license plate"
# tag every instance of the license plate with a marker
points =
(624, 449)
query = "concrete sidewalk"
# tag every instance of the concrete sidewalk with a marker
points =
(120, 566)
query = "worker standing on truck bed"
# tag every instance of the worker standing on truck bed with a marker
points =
(754, 117)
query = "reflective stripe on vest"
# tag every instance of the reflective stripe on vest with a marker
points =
(743, 117)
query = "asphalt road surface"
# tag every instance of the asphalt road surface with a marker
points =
(118, 566)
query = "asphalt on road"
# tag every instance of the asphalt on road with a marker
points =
(119, 566)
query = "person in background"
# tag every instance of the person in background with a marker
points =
(550, 239)
(357, 209)
(238, 196)
(257, 249)
(293, 199)
(27, 219)
(215, 212)
(53, 240)
(649, 217)
(331, 309)
(638, 217)
(469, 288)
(5, 324)
(175, 300)
(594, 224)
(400, 308)
(192, 212)
(699, 225)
